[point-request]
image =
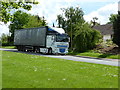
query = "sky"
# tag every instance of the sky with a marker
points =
(91, 8)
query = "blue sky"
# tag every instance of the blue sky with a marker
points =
(91, 8)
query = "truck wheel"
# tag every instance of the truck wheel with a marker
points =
(18, 47)
(37, 50)
(50, 51)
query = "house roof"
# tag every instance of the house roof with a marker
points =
(105, 29)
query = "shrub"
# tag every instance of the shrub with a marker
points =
(86, 38)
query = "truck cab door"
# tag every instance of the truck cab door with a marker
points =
(50, 41)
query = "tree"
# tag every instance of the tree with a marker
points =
(85, 38)
(43, 21)
(34, 21)
(20, 18)
(6, 6)
(4, 38)
(112, 18)
(61, 21)
(94, 22)
(116, 28)
(71, 16)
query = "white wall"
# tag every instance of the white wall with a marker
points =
(106, 37)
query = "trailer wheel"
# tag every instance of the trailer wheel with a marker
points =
(18, 47)
(37, 50)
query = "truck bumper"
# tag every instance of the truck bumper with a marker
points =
(60, 51)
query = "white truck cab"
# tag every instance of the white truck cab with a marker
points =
(56, 43)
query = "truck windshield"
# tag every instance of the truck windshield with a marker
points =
(62, 38)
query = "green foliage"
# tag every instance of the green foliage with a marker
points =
(112, 18)
(94, 22)
(116, 27)
(61, 21)
(72, 17)
(85, 38)
(34, 21)
(7, 5)
(20, 18)
(82, 36)
(4, 38)
(68, 20)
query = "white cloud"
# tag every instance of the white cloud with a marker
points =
(103, 13)
(4, 28)
(50, 9)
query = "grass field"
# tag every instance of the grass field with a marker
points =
(91, 53)
(32, 71)
(9, 47)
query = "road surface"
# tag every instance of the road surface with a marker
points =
(112, 62)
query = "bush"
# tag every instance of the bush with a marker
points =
(86, 38)
(7, 43)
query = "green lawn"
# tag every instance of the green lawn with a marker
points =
(91, 53)
(31, 71)
(9, 47)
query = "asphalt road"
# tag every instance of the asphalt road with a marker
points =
(112, 62)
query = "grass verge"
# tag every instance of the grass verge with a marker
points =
(8, 47)
(32, 71)
(95, 54)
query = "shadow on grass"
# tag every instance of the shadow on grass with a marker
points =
(105, 55)
(93, 55)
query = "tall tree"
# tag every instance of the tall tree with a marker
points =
(60, 21)
(71, 16)
(43, 21)
(94, 22)
(6, 6)
(34, 21)
(20, 18)
(116, 27)
(112, 18)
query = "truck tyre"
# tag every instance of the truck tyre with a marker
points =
(18, 47)
(50, 51)
(37, 50)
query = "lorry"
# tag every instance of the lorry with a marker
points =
(43, 39)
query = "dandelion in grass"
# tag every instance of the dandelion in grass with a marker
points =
(35, 69)
(64, 79)
(49, 79)
(115, 75)
(48, 68)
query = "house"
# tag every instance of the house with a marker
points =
(106, 30)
